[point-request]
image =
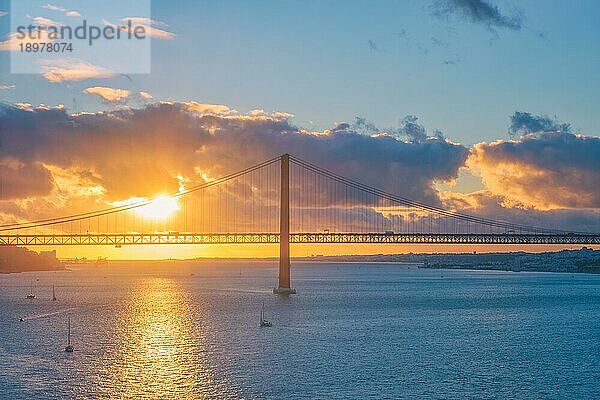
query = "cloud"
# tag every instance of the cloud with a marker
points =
(3, 13)
(259, 112)
(22, 180)
(543, 170)
(53, 7)
(209, 109)
(108, 94)
(152, 28)
(496, 207)
(13, 42)
(112, 95)
(410, 129)
(145, 151)
(46, 22)
(478, 12)
(523, 123)
(71, 69)
(61, 9)
(7, 87)
(60, 163)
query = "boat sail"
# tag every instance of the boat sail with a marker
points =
(263, 321)
(31, 295)
(69, 348)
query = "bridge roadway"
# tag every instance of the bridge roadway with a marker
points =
(122, 239)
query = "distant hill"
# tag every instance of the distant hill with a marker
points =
(20, 259)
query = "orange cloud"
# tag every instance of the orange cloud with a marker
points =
(546, 170)
(210, 109)
(61, 70)
(113, 95)
(108, 94)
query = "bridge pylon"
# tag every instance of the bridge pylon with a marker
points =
(284, 230)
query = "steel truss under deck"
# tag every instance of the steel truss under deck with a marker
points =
(122, 239)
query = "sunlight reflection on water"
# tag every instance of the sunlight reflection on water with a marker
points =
(159, 351)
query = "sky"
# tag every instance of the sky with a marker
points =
(505, 92)
(314, 59)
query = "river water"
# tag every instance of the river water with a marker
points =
(189, 330)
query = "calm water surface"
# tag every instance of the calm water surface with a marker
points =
(189, 330)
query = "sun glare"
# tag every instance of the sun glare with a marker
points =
(161, 207)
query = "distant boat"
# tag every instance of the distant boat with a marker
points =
(31, 295)
(104, 260)
(69, 348)
(53, 294)
(263, 321)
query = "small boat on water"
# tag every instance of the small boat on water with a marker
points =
(263, 321)
(53, 294)
(69, 348)
(31, 295)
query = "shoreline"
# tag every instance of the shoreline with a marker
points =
(585, 260)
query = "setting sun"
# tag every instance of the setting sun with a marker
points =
(161, 207)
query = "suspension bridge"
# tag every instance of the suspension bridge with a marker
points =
(280, 201)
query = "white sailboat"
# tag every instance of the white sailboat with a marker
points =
(69, 348)
(31, 295)
(263, 321)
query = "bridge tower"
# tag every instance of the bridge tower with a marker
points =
(284, 230)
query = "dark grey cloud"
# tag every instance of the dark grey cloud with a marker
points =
(120, 150)
(410, 129)
(22, 180)
(523, 123)
(143, 152)
(478, 12)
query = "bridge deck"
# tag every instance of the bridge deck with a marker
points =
(121, 239)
